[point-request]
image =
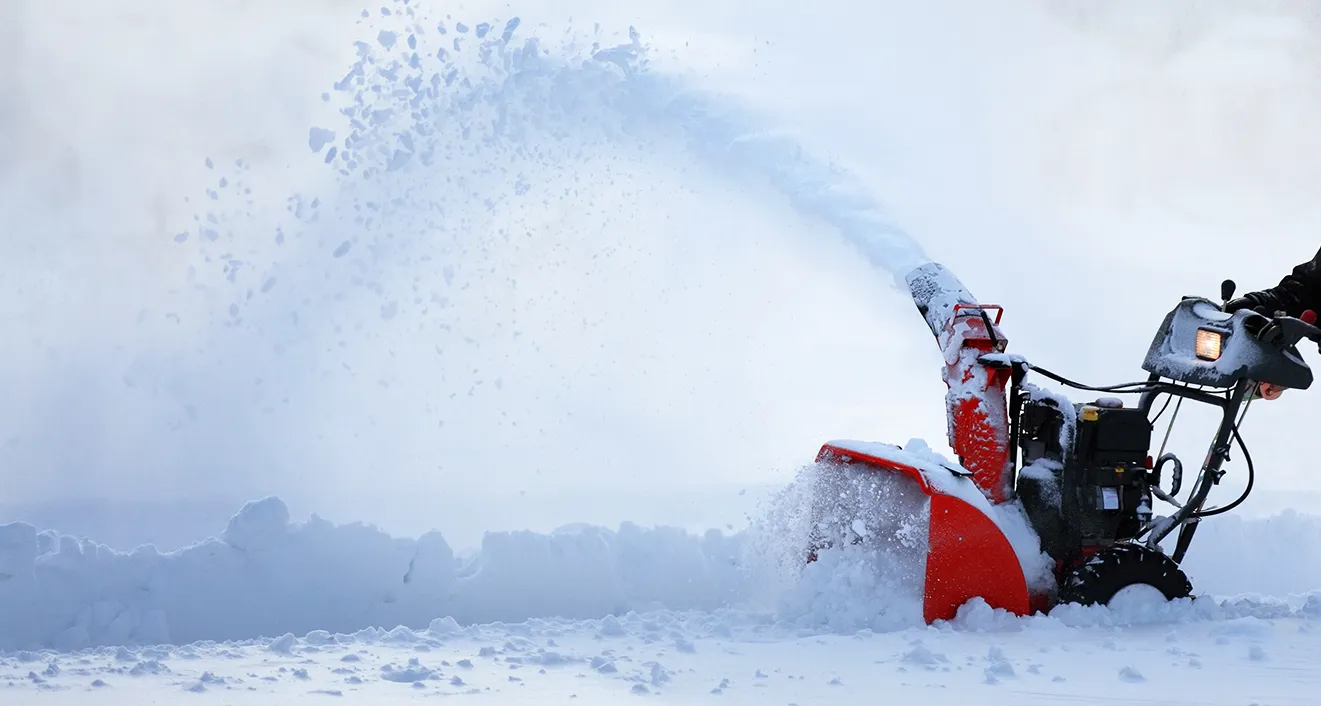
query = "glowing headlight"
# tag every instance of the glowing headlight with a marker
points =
(1209, 343)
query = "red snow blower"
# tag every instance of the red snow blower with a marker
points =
(1082, 474)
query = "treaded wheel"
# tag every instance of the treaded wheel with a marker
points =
(1115, 568)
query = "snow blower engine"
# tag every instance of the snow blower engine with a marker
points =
(1082, 473)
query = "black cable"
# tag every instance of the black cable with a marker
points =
(1136, 387)
(1123, 388)
(1247, 457)
(1161, 413)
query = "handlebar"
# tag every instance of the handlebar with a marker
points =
(1285, 331)
(1282, 331)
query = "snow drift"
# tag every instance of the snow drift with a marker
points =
(265, 576)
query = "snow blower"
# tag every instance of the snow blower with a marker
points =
(1082, 474)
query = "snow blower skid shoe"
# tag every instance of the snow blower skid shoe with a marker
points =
(1086, 480)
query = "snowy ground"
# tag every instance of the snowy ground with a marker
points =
(273, 609)
(1258, 653)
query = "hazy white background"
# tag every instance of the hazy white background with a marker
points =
(684, 338)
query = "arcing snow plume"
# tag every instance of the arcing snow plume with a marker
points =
(422, 97)
(539, 257)
(409, 90)
(492, 190)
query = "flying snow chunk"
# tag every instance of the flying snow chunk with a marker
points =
(398, 161)
(319, 137)
(510, 26)
(386, 39)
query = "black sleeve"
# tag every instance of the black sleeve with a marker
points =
(1301, 289)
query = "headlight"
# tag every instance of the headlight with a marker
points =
(1209, 343)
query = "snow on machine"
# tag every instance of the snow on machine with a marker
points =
(1081, 475)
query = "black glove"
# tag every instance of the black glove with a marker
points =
(1268, 300)
(1297, 291)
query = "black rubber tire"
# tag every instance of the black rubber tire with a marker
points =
(1113, 569)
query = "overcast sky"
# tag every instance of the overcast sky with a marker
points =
(665, 325)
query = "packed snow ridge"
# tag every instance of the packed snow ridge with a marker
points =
(266, 576)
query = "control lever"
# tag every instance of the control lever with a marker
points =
(1309, 319)
(1286, 330)
(1227, 290)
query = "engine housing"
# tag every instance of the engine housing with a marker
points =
(1085, 482)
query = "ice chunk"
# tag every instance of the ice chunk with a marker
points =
(317, 138)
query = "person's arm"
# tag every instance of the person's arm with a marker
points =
(1297, 292)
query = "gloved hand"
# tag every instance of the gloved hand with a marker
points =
(1271, 300)
(1251, 300)
(1299, 290)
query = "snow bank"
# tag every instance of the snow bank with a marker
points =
(1276, 556)
(266, 576)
